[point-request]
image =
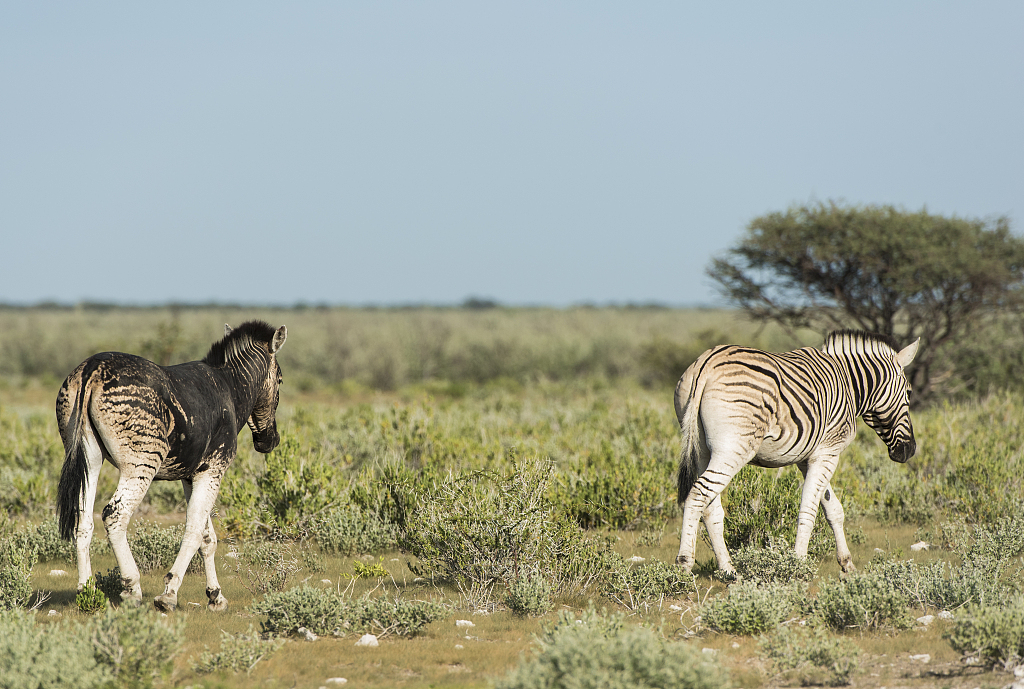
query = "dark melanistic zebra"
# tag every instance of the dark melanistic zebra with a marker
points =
(166, 423)
(739, 406)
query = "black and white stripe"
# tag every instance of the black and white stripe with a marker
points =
(739, 406)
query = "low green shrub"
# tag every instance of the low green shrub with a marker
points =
(752, 608)
(45, 539)
(112, 584)
(810, 655)
(294, 486)
(16, 563)
(602, 651)
(350, 530)
(155, 547)
(90, 599)
(325, 612)
(47, 655)
(529, 594)
(238, 652)
(614, 488)
(264, 566)
(992, 634)
(775, 561)
(482, 528)
(980, 580)
(863, 600)
(638, 586)
(137, 644)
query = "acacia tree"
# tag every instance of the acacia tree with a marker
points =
(877, 268)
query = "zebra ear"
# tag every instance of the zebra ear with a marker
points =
(908, 353)
(279, 337)
(227, 330)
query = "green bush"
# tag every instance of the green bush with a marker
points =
(751, 608)
(90, 599)
(137, 644)
(863, 600)
(112, 584)
(238, 652)
(264, 566)
(325, 612)
(349, 531)
(45, 539)
(811, 655)
(943, 586)
(483, 528)
(993, 634)
(776, 561)
(155, 547)
(529, 594)
(33, 655)
(294, 487)
(637, 587)
(16, 563)
(600, 651)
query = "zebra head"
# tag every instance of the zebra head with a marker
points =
(887, 405)
(263, 420)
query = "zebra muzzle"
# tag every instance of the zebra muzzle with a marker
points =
(901, 452)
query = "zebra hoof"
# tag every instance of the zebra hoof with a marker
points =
(218, 604)
(166, 602)
(130, 599)
(684, 562)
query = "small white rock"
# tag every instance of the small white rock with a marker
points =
(922, 657)
(58, 573)
(307, 635)
(735, 644)
(367, 640)
(395, 559)
(637, 559)
(675, 608)
(52, 613)
(418, 580)
(325, 581)
(920, 545)
(926, 620)
(335, 680)
(879, 550)
(945, 615)
(464, 623)
(459, 646)
(709, 651)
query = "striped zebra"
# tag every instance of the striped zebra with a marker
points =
(738, 406)
(164, 423)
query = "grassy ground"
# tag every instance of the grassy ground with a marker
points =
(451, 656)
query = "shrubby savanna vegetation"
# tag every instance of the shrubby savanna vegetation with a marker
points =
(489, 492)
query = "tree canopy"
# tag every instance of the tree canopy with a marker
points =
(877, 268)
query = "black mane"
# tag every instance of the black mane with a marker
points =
(256, 331)
(863, 336)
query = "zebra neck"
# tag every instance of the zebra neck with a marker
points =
(247, 366)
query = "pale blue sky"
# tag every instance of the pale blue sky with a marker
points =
(534, 153)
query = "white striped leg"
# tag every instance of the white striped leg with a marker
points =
(817, 474)
(86, 505)
(197, 522)
(131, 488)
(706, 490)
(714, 520)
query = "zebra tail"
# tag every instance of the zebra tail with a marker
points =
(689, 391)
(71, 489)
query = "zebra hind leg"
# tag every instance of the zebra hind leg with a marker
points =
(714, 520)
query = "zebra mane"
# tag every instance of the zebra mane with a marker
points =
(859, 341)
(239, 339)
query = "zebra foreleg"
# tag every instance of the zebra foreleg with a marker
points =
(197, 524)
(208, 548)
(836, 516)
